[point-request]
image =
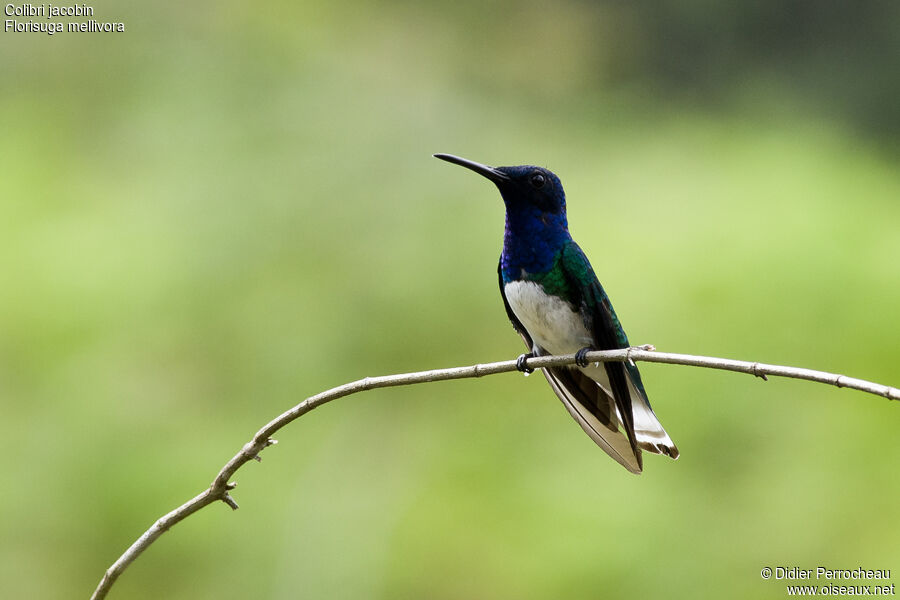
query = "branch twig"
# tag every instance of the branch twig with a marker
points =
(221, 486)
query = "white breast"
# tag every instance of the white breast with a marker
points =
(550, 321)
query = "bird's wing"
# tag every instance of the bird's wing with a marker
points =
(624, 383)
(588, 403)
(591, 300)
(596, 412)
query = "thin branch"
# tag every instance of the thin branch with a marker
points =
(221, 486)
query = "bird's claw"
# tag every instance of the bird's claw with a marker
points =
(580, 359)
(521, 365)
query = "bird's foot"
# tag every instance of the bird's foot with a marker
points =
(522, 366)
(580, 359)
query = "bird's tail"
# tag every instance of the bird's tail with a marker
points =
(585, 392)
(647, 429)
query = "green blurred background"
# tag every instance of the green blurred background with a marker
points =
(232, 206)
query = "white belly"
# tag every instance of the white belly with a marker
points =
(550, 321)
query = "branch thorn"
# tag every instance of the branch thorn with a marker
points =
(755, 370)
(227, 499)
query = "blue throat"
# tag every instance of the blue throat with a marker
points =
(532, 241)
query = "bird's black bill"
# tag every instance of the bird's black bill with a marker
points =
(491, 173)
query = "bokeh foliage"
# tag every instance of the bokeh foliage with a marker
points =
(232, 206)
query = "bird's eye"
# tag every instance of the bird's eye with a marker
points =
(538, 180)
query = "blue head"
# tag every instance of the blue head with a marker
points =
(536, 226)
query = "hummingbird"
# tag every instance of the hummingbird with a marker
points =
(557, 305)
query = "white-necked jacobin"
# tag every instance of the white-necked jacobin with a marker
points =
(558, 306)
